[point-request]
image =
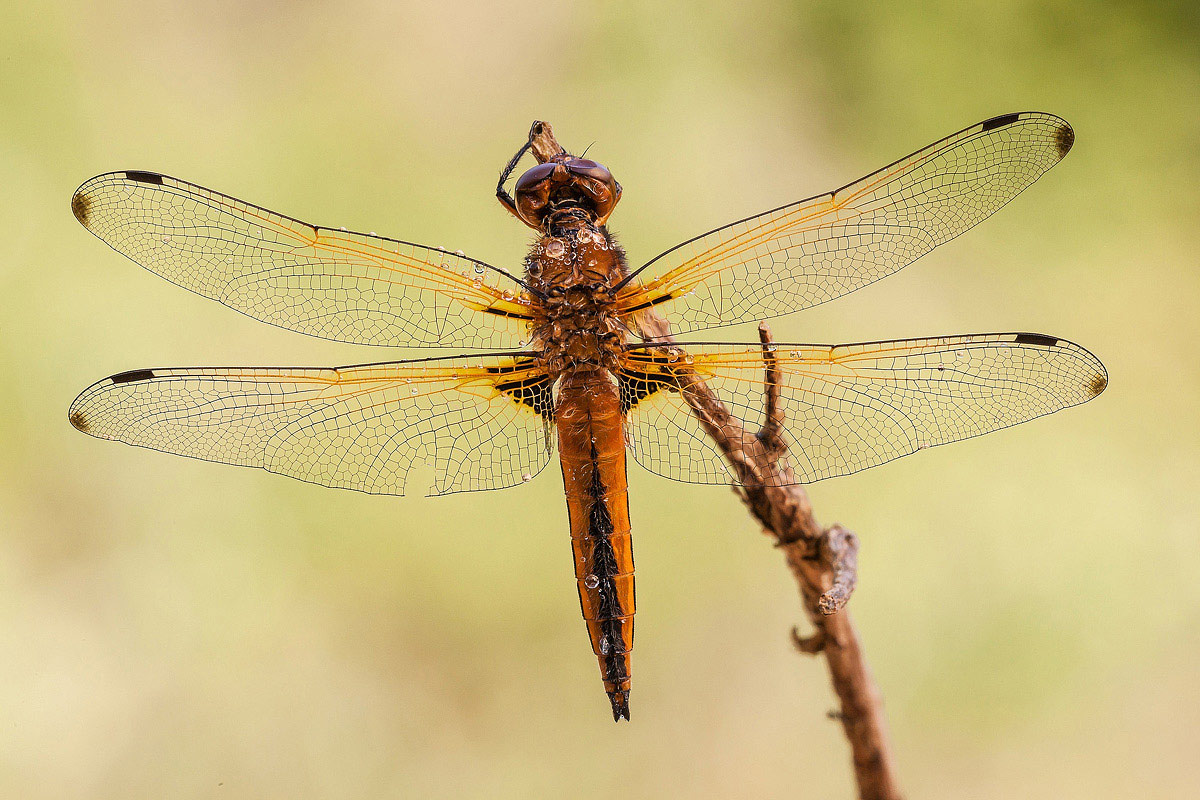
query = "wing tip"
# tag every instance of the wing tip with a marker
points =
(1064, 138)
(78, 419)
(81, 200)
(81, 206)
(1064, 134)
(1095, 381)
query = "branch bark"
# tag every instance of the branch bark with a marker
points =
(823, 561)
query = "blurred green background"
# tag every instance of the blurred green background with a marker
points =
(1029, 600)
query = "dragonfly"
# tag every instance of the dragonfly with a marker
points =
(559, 352)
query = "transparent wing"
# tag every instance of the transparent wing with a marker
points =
(479, 422)
(850, 407)
(813, 251)
(350, 287)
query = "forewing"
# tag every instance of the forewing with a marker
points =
(478, 422)
(336, 284)
(813, 251)
(850, 407)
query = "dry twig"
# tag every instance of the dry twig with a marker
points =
(823, 561)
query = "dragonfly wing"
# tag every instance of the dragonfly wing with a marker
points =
(854, 406)
(479, 422)
(810, 252)
(335, 284)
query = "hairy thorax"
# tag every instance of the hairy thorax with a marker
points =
(575, 269)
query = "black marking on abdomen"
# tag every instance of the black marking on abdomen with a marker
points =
(144, 177)
(1000, 121)
(604, 567)
(133, 375)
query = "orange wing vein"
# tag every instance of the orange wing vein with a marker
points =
(852, 406)
(335, 284)
(479, 422)
(807, 253)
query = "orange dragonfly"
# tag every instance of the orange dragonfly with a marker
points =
(567, 356)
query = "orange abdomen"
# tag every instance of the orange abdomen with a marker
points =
(592, 450)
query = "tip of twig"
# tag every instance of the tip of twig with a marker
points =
(833, 601)
(542, 143)
(839, 549)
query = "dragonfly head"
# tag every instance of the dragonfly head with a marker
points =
(567, 185)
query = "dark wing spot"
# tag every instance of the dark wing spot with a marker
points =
(133, 375)
(1000, 121)
(144, 177)
(1038, 339)
(635, 386)
(534, 393)
(1097, 384)
(78, 420)
(81, 204)
(1064, 138)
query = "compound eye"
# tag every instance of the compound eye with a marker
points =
(534, 176)
(589, 169)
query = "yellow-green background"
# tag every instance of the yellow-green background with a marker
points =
(1029, 600)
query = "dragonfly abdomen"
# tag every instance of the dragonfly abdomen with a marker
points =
(592, 451)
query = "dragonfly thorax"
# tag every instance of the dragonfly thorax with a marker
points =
(574, 319)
